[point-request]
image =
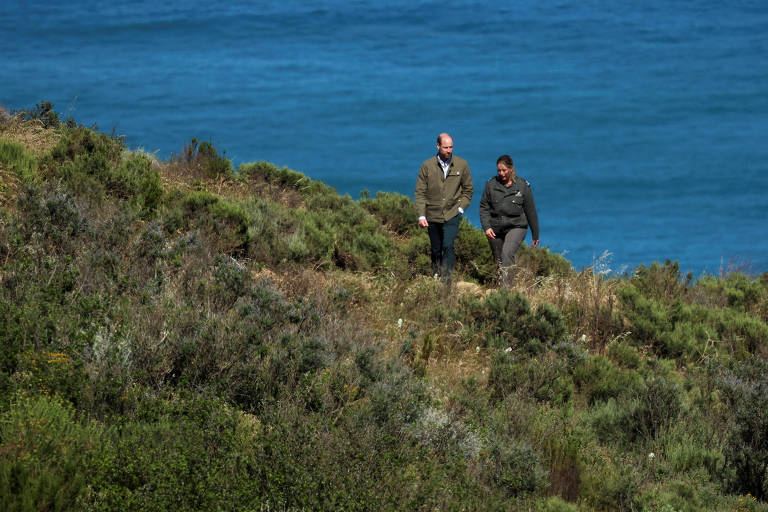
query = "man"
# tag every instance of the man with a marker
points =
(443, 191)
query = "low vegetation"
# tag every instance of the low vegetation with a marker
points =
(183, 335)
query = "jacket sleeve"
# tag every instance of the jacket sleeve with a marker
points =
(485, 209)
(529, 206)
(467, 189)
(420, 193)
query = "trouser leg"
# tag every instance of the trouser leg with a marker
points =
(450, 231)
(512, 240)
(435, 232)
(497, 244)
(503, 248)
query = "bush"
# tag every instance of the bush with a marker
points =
(556, 504)
(507, 320)
(43, 448)
(601, 380)
(473, 255)
(735, 291)
(640, 415)
(515, 467)
(661, 281)
(747, 450)
(44, 113)
(202, 160)
(395, 211)
(14, 157)
(544, 378)
(543, 263)
(285, 178)
(92, 165)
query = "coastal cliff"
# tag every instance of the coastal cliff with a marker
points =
(185, 335)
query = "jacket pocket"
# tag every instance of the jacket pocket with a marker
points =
(513, 205)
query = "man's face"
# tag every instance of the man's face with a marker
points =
(445, 148)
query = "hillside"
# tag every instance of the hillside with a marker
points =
(183, 335)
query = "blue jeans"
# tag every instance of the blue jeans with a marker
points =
(441, 237)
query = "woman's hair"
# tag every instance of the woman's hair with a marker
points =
(509, 164)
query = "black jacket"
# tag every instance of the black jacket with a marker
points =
(503, 208)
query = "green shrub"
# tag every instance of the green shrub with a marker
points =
(546, 324)
(501, 310)
(284, 177)
(93, 164)
(515, 467)
(687, 455)
(662, 282)
(86, 161)
(507, 318)
(641, 415)
(736, 291)
(648, 318)
(416, 257)
(43, 448)
(747, 449)
(687, 339)
(473, 255)
(202, 160)
(136, 178)
(601, 380)
(541, 262)
(624, 354)
(179, 453)
(14, 157)
(45, 372)
(544, 378)
(226, 225)
(397, 212)
(557, 504)
(57, 219)
(44, 113)
(614, 484)
(745, 333)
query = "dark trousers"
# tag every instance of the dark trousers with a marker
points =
(441, 237)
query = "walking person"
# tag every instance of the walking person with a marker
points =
(507, 210)
(442, 194)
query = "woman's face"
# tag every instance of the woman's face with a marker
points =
(504, 172)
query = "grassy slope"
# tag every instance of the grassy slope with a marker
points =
(179, 335)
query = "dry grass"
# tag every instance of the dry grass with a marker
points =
(9, 187)
(35, 139)
(184, 175)
(30, 133)
(591, 296)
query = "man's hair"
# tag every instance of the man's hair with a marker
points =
(440, 138)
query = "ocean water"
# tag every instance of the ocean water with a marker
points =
(641, 126)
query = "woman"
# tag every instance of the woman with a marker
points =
(506, 211)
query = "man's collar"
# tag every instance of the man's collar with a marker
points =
(440, 160)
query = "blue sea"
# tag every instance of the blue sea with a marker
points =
(641, 126)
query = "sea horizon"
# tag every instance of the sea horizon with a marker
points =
(640, 127)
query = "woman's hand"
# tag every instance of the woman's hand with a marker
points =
(535, 243)
(490, 233)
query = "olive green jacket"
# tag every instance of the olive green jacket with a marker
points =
(439, 197)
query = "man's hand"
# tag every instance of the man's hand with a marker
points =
(490, 233)
(423, 223)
